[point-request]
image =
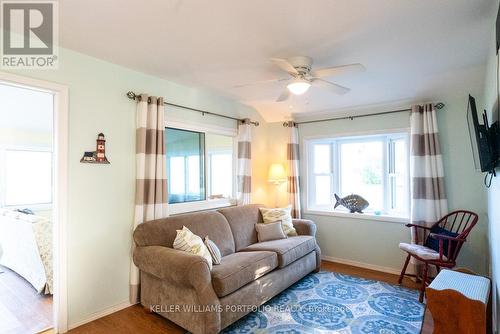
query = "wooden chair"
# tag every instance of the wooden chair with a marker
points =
(460, 222)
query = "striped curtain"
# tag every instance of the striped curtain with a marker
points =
(151, 172)
(428, 197)
(244, 162)
(292, 158)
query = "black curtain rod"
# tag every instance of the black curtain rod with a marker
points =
(133, 96)
(439, 105)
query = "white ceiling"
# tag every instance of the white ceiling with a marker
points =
(405, 44)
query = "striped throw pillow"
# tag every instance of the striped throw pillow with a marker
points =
(277, 214)
(214, 250)
(189, 242)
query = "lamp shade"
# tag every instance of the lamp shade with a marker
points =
(277, 174)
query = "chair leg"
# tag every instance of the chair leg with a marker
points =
(424, 282)
(404, 269)
(438, 269)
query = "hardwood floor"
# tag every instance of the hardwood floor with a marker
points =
(22, 309)
(137, 320)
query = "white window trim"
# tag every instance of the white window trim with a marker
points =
(362, 216)
(315, 210)
(208, 204)
(3, 177)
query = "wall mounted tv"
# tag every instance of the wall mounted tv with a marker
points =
(484, 139)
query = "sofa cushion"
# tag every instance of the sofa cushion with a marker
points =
(288, 250)
(242, 220)
(239, 269)
(162, 232)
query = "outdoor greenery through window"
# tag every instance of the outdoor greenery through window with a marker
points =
(375, 167)
(199, 166)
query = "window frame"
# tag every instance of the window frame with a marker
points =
(3, 177)
(335, 141)
(206, 204)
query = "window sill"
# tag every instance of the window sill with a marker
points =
(364, 216)
(179, 208)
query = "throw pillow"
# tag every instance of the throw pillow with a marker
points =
(277, 214)
(189, 242)
(214, 250)
(271, 231)
(433, 243)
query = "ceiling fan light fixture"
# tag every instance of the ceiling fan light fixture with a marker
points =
(299, 86)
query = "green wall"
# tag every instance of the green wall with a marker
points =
(101, 197)
(29, 138)
(375, 243)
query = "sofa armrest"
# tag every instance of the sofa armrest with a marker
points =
(175, 266)
(304, 227)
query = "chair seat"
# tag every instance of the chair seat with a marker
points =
(239, 269)
(288, 250)
(422, 252)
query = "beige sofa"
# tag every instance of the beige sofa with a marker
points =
(181, 287)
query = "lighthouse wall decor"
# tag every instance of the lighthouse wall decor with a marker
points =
(99, 155)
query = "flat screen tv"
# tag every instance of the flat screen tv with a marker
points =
(483, 139)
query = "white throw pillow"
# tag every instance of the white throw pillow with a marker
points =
(189, 242)
(277, 214)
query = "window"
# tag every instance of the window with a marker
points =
(199, 166)
(375, 167)
(27, 177)
(185, 159)
(219, 166)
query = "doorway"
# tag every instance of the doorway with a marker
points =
(33, 186)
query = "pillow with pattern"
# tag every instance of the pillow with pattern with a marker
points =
(214, 250)
(189, 242)
(277, 214)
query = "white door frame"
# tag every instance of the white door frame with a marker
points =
(60, 302)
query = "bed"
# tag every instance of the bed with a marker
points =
(26, 248)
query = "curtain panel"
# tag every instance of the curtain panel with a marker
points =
(244, 174)
(151, 200)
(428, 196)
(292, 157)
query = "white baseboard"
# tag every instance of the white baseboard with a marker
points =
(102, 313)
(388, 270)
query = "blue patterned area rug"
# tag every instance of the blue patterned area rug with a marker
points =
(329, 302)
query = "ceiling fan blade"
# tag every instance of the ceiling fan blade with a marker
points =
(333, 87)
(284, 65)
(261, 82)
(285, 94)
(337, 70)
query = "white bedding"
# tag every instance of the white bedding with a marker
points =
(26, 248)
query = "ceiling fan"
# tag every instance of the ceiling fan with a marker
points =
(302, 76)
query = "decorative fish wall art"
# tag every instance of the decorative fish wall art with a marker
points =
(354, 203)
